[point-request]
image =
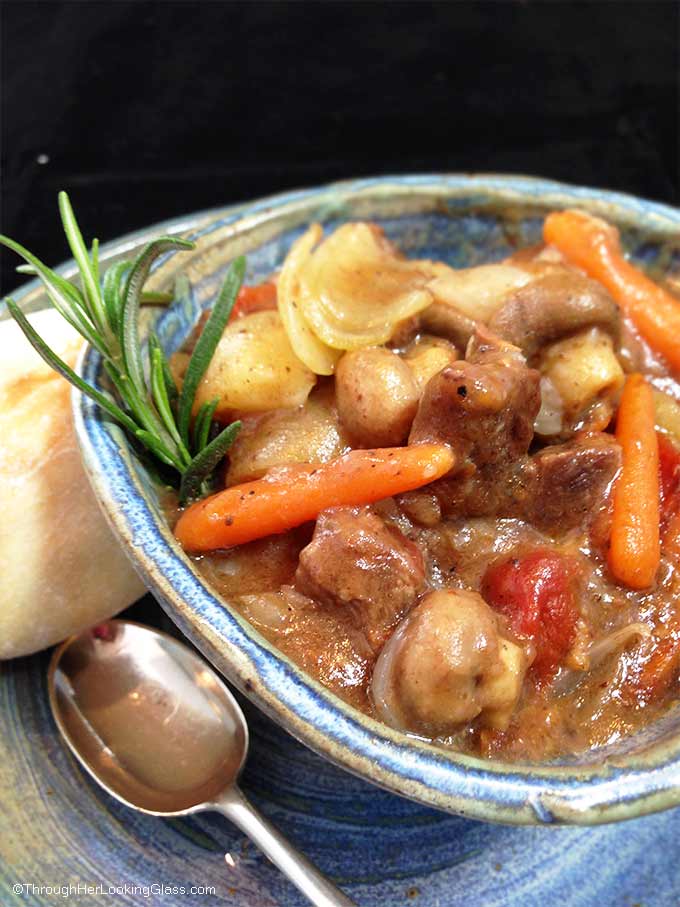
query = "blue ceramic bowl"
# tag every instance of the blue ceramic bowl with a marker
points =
(462, 220)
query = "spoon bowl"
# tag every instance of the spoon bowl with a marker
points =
(147, 718)
(156, 727)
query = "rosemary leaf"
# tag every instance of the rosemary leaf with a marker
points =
(66, 371)
(205, 462)
(207, 343)
(146, 416)
(202, 424)
(67, 288)
(129, 338)
(94, 255)
(64, 302)
(160, 396)
(87, 275)
(170, 386)
(112, 292)
(129, 326)
(150, 442)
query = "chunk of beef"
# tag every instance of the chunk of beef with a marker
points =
(557, 303)
(484, 408)
(356, 561)
(566, 482)
(557, 489)
(482, 493)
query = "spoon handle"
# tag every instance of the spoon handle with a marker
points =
(297, 868)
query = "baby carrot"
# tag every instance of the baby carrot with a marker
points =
(593, 245)
(634, 544)
(291, 495)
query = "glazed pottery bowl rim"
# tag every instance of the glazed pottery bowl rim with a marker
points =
(580, 794)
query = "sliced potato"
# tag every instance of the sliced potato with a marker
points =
(306, 434)
(428, 356)
(583, 368)
(254, 368)
(667, 411)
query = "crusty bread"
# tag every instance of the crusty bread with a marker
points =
(61, 569)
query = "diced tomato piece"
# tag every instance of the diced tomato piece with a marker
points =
(254, 299)
(669, 476)
(537, 593)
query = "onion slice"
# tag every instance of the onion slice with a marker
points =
(315, 354)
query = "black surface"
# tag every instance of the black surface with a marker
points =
(143, 111)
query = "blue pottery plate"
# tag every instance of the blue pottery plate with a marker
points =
(57, 829)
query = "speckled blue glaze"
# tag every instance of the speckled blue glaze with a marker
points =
(463, 220)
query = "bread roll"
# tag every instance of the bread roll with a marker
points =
(61, 569)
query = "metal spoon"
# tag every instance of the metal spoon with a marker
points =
(159, 730)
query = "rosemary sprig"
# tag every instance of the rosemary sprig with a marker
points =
(207, 342)
(106, 314)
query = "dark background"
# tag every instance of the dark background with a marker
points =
(143, 111)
